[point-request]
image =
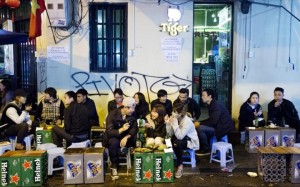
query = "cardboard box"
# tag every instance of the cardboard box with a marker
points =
(73, 166)
(254, 138)
(287, 137)
(93, 165)
(272, 137)
(143, 168)
(43, 136)
(163, 167)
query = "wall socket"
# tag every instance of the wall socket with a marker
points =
(251, 54)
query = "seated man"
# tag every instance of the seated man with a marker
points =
(82, 97)
(121, 131)
(162, 98)
(192, 105)
(218, 124)
(117, 102)
(282, 111)
(76, 122)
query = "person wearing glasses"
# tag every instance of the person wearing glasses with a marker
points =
(192, 106)
(117, 102)
(121, 131)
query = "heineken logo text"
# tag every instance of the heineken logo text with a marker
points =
(38, 139)
(4, 173)
(158, 165)
(37, 170)
(138, 169)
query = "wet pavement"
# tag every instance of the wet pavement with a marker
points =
(205, 174)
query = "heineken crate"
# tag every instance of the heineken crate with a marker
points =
(287, 137)
(34, 168)
(254, 139)
(10, 168)
(143, 167)
(163, 167)
(43, 136)
(93, 165)
(272, 137)
(73, 166)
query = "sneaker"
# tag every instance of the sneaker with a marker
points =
(202, 152)
(114, 174)
(179, 174)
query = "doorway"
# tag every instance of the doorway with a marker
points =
(212, 60)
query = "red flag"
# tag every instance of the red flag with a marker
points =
(37, 8)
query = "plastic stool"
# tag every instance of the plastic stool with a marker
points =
(52, 154)
(243, 138)
(46, 146)
(13, 141)
(214, 140)
(27, 141)
(5, 147)
(223, 148)
(84, 144)
(127, 158)
(191, 156)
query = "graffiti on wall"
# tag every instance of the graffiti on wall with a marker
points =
(136, 82)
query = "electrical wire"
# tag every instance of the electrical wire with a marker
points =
(290, 39)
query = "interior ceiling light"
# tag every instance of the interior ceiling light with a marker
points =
(215, 19)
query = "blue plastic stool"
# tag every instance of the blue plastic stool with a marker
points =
(190, 154)
(214, 140)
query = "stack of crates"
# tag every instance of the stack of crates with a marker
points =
(254, 139)
(43, 136)
(153, 167)
(21, 168)
(93, 165)
(73, 166)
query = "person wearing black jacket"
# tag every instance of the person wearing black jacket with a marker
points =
(142, 107)
(282, 111)
(218, 124)
(117, 101)
(76, 122)
(250, 111)
(82, 98)
(192, 105)
(121, 131)
(162, 98)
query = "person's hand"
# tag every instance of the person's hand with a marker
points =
(149, 125)
(197, 124)
(277, 103)
(58, 122)
(126, 126)
(259, 112)
(124, 141)
(28, 107)
(167, 119)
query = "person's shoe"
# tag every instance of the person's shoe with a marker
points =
(179, 173)
(203, 152)
(114, 174)
(19, 146)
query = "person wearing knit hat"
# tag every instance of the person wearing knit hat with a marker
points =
(15, 121)
(121, 131)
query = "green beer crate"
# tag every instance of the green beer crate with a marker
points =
(10, 168)
(143, 167)
(163, 167)
(34, 168)
(43, 136)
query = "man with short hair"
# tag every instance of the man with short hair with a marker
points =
(282, 111)
(82, 98)
(192, 105)
(162, 98)
(218, 124)
(117, 101)
(121, 131)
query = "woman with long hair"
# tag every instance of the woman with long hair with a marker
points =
(142, 106)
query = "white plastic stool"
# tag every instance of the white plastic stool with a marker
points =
(84, 144)
(214, 140)
(223, 148)
(27, 141)
(6, 146)
(127, 163)
(243, 137)
(46, 146)
(191, 156)
(98, 144)
(13, 141)
(52, 154)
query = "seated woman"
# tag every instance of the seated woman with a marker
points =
(184, 135)
(15, 121)
(142, 107)
(6, 93)
(76, 122)
(50, 109)
(156, 127)
(250, 112)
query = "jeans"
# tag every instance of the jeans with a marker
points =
(178, 147)
(205, 133)
(19, 130)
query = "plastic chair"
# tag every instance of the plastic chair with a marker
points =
(27, 141)
(52, 154)
(222, 148)
(84, 144)
(127, 159)
(13, 141)
(191, 156)
(214, 140)
(5, 147)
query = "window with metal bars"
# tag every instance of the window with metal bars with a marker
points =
(108, 37)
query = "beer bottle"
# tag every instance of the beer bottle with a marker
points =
(138, 140)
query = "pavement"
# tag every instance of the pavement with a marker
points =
(204, 174)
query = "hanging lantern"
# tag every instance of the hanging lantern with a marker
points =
(13, 3)
(2, 3)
